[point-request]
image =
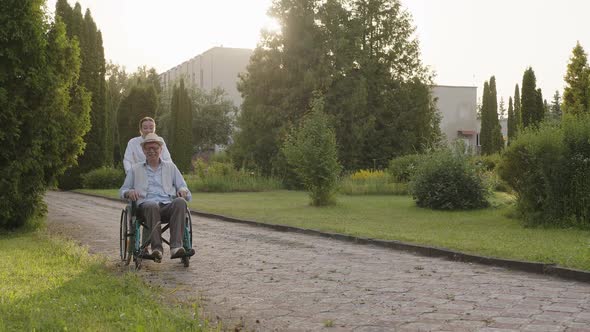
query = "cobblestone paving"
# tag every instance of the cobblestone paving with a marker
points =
(279, 281)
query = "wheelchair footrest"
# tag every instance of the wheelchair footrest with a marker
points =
(149, 256)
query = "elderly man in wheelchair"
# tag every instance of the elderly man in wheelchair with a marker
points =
(158, 194)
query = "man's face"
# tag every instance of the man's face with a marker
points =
(152, 151)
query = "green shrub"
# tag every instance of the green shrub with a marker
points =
(311, 152)
(445, 180)
(103, 178)
(402, 168)
(487, 162)
(549, 169)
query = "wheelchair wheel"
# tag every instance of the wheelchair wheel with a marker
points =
(125, 241)
(188, 238)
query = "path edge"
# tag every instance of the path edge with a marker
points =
(525, 266)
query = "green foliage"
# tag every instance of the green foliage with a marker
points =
(549, 169)
(115, 89)
(446, 180)
(139, 103)
(577, 89)
(213, 117)
(103, 178)
(512, 123)
(44, 111)
(372, 186)
(487, 162)
(92, 77)
(555, 111)
(311, 151)
(491, 135)
(180, 145)
(363, 57)
(218, 176)
(531, 100)
(403, 168)
(517, 110)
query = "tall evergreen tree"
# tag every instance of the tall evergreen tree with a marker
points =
(44, 111)
(531, 100)
(490, 133)
(576, 92)
(116, 89)
(517, 110)
(511, 130)
(92, 77)
(138, 103)
(181, 146)
(555, 107)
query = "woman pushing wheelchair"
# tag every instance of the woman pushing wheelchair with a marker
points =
(160, 193)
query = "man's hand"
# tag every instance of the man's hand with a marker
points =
(132, 195)
(182, 193)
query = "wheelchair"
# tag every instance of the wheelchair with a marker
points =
(131, 245)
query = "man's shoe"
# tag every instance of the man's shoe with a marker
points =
(177, 252)
(157, 255)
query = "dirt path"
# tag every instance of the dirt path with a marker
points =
(280, 281)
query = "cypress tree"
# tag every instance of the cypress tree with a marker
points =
(44, 111)
(92, 77)
(511, 121)
(532, 100)
(517, 110)
(181, 128)
(490, 133)
(139, 103)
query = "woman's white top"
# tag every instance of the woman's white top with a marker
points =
(134, 153)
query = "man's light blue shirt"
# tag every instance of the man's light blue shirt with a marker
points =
(155, 189)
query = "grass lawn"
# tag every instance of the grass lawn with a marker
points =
(52, 285)
(487, 232)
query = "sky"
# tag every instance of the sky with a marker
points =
(464, 42)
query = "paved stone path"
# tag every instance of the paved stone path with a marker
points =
(281, 281)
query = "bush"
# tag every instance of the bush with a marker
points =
(403, 168)
(487, 162)
(103, 178)
(445, 180)
(311, 152)
(549, 169)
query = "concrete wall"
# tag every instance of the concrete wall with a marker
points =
(216, 67)
(457, 106)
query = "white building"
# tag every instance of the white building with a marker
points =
(216, 67)
(458, 108)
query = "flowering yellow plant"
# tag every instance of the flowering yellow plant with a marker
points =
(366, 174)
